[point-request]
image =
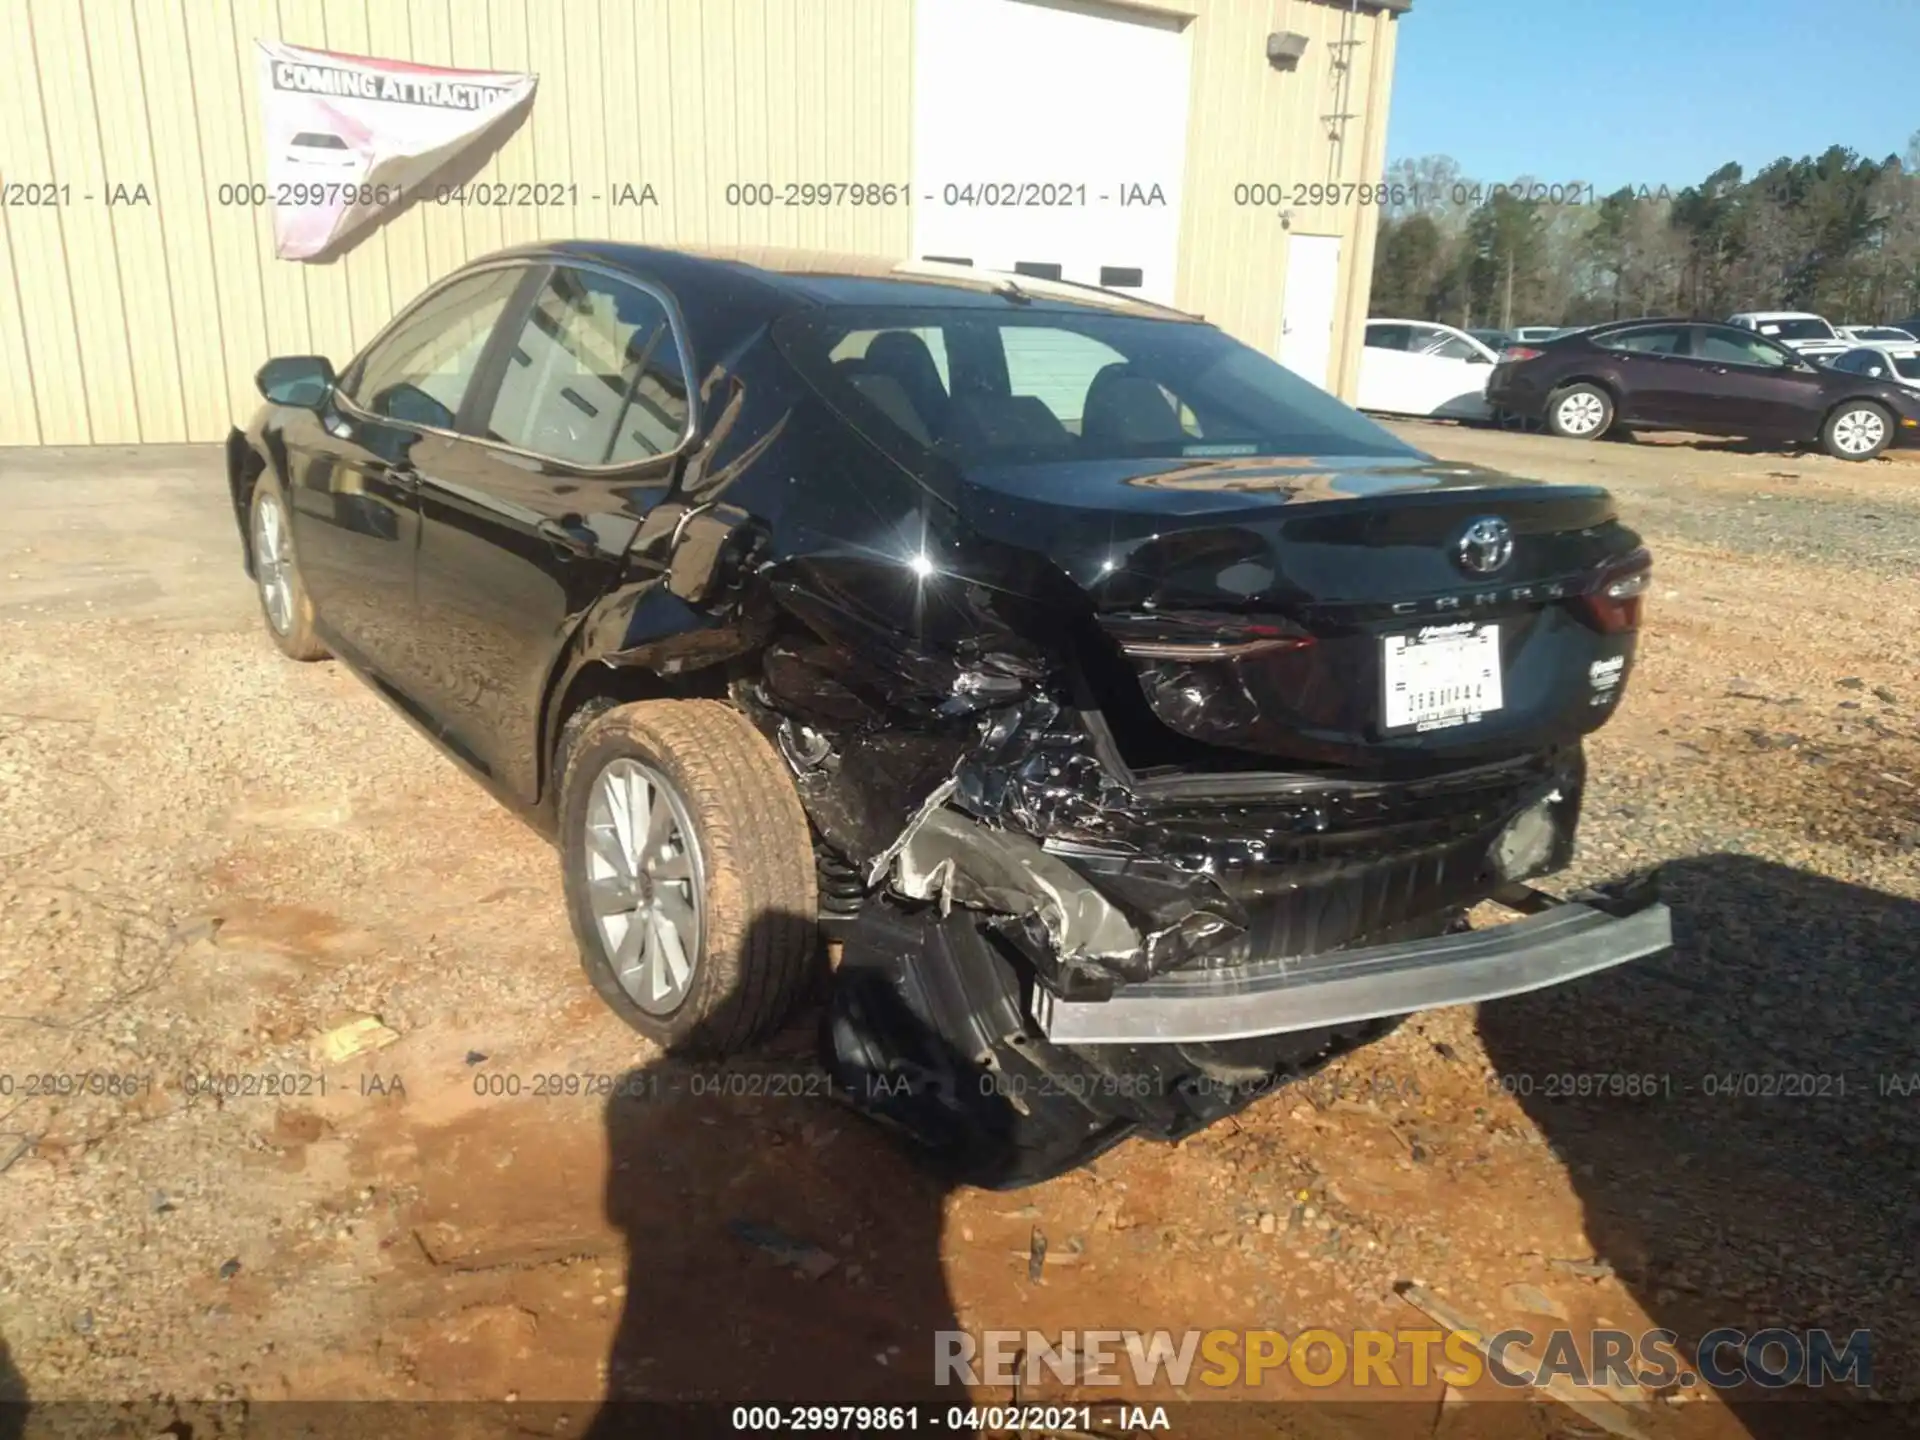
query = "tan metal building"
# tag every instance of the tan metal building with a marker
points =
(1204, 152)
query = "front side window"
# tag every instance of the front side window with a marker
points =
(1655, 340)
(420, 370)
(1452, 347)
(595, 376)
(1730, 347)
(1025, 385)
(1859, 362)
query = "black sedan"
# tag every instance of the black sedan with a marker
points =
(1141, 719)
(1709, 378)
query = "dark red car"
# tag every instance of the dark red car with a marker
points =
(1699, 376)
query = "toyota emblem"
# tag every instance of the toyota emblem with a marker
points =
(1486, 545)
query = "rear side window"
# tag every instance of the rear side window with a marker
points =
(1659, 340)
(1030, 384)
(595, 376)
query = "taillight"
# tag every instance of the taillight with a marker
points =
(1201, 635)
(1514, 354)
(1612, 606)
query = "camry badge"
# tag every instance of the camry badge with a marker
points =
(1485, 545)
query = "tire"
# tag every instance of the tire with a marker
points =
(1857, 430)
(1579, 412)
(284, 602)
(733, 876)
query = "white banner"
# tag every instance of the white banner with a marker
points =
(349, 137)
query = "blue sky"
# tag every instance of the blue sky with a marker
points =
(1632, 92)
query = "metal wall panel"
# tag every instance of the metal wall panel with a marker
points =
(1252, 124)
(145, 322)
(128, 322)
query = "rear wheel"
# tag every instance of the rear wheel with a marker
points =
(1579, 412)
(1858, 430)
(284, 602)
(688, 866)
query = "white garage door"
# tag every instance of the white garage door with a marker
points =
(1050, 141)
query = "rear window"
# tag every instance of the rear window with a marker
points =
(1022, 384)
(1797, 329)
(316, 140)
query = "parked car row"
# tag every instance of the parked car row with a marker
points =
(1786, 376)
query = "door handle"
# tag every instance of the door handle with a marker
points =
(569, 536)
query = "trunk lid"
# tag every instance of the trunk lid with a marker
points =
(1334, 611)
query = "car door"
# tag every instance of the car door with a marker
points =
(1385, 377)
(354, 466)
(1754, 386)
(1647, 365)
(1453, 374)
(574, 433)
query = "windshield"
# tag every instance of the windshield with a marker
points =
(983, 385)
(1810, 329)
(1907, 367)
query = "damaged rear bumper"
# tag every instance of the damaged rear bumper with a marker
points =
(1561, 942)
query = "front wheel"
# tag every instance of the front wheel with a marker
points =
(689, 874)
(284, 602)
(1580, 412)
(1858, 430)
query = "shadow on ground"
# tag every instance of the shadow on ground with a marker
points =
(818, 1275)
(1769, 1179)
(13, 1396)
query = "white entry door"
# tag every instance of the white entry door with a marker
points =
(1306, 312)
(1051, 139)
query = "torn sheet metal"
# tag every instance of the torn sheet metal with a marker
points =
(949, 858)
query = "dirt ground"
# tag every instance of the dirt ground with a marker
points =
(209, 856)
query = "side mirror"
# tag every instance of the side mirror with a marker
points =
(303, 380)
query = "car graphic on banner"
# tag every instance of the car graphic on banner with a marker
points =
(349, 137)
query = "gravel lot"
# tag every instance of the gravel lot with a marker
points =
(209, 856)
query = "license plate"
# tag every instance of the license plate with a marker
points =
(1439, 677)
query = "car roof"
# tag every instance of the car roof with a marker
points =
(801, 277)
(1779, 315)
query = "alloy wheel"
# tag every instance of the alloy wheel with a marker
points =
(1581, 414)
(1858, 431)
(273, 563)
(646, 883)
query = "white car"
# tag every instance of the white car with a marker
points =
(1415, 367)
(1877, 335)
(1897, 363)
(1799, 330)
(321, 152)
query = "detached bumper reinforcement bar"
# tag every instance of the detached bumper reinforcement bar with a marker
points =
(1272, 997)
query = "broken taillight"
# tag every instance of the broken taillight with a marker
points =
(1201, 635)
(1612, 606)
